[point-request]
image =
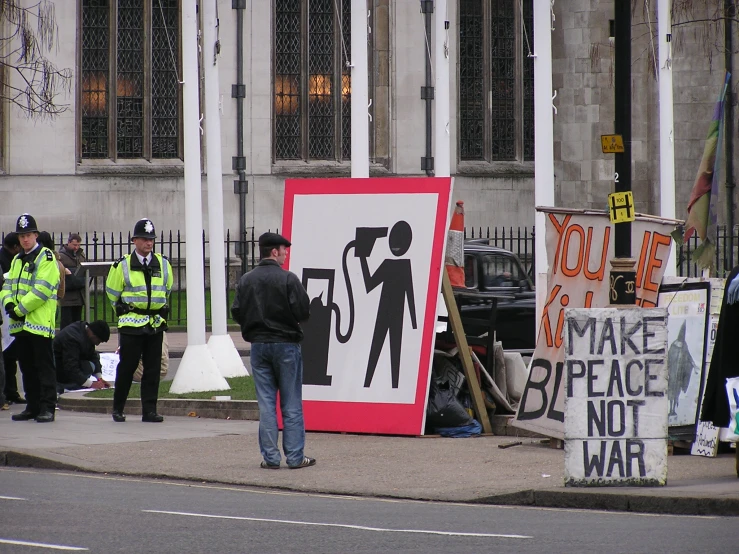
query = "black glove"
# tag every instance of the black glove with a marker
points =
(164, 312)
(10, 310)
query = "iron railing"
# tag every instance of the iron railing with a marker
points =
(241, 255)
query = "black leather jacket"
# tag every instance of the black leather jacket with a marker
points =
(270, 303)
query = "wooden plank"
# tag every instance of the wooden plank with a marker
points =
(464, 351)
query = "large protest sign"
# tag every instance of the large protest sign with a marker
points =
(616, 396)
(370, 254)
(579, 247)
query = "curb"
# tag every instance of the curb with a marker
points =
(679, 506)
(227, 409)
(212, 409)
(615, 502)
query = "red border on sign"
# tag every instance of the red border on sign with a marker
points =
(373, 417)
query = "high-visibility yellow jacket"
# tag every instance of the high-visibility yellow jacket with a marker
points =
(142, 292)
(32, 284)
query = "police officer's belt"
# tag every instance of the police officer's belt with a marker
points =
(142, 311)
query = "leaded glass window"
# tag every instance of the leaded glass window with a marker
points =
(496, 80)
(129, 94)
(94, 87)
(312, 83)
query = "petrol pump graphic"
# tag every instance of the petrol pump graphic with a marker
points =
(370, 254)
(395, 278)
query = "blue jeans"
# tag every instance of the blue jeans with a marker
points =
(278, 366)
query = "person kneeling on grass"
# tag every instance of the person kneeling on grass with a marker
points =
(77, 361)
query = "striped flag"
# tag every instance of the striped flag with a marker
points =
(704, 196)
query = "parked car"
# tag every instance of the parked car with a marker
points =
(491, 271)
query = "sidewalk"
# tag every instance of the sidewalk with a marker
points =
(423, 468)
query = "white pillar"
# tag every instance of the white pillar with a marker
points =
(360, 90)
(666, 127)
(197, 370)
(442, 156)
(543, 143)
(220, 344)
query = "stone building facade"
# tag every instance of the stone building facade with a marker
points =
(86, 170)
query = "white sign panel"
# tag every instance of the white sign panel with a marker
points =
(616, 397)
(369, 253)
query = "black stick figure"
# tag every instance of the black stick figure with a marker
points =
(397, 285)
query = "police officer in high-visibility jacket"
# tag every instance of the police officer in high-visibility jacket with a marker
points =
(29, 298)
(138, 286)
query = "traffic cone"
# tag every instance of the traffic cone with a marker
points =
(454, 259)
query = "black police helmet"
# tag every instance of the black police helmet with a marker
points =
(26, 224)
(144, 229)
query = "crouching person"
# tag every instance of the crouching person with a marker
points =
(76, 359)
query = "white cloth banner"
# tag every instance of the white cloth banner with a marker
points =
(579, 247)
(109, 361)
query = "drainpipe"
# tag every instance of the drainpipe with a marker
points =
(427, 92)
(238, 162)
(729, 122)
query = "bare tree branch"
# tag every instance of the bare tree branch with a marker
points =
(31, 33)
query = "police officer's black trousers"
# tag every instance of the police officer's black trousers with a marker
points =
(36, 359)
(133, 348)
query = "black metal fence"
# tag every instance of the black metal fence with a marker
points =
(519, 241)
(241, 255)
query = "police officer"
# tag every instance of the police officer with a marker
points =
(29, 299)
(138, 286)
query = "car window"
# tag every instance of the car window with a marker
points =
(499, 270)
(470, 272)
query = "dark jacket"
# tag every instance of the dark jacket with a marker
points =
(6, 258)
(270, 303)
(74, 284)
(72, 347)
(723, 362)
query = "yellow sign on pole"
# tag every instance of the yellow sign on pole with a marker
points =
(612, 144)
(621, 207)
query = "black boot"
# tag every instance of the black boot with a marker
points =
(119, 417)
(45, 417)
(25, 415)
(152, 417)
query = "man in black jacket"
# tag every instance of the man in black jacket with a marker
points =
(270, 303)
(76, 359)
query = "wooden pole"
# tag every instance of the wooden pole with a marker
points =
(464, 352)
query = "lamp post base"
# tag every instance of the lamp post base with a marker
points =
(622, 282)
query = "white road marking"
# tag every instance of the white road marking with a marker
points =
(11, 498)
(42, 545)
(343, 526)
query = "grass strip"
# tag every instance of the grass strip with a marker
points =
(242, 388)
